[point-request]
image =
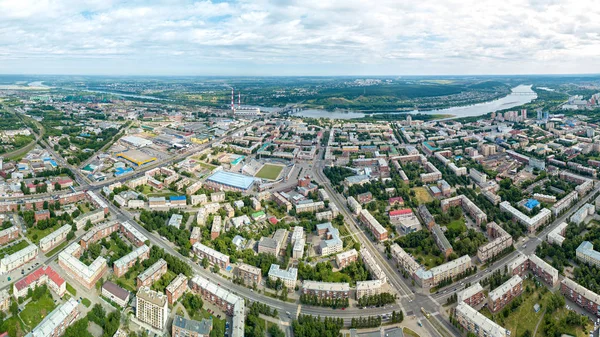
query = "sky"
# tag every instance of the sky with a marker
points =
(299, 37)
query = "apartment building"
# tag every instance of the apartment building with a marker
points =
(97, 233)
(378, 231)
(585, 298)
(176, 288)
(467, 205)
(404, 260)
(288, 277)
(151, 308)
(86, 275)
(556, 236)
(426, 216)
(472, 295)
(132, 234)
(215, 229)
(230, 303)
(476, 323)
(543, 270)
(544, 198)
(372, 265)
(586, 253)
(564, 203)
(368, 288)
(214, 257)
(354, 205)
(505, 293)
(501, 240)
(9, 234)
(152, 274)
(122, 265)
(54, 239)
(57, 321)
(94, 217)
(532, 223)
(17, 259)
(312, 207)
(250, 275)
(441, 241)
(43, 275)
(326, 290)
(582, 213)
(343, 259)
(331, 242)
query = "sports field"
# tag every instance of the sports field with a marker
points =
(269, 171)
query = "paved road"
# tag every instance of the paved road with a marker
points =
(411, 300)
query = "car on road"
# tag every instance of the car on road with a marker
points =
(419, 323)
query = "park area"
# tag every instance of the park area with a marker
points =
(269, 171)
(422, 195)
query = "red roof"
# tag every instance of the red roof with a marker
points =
(401, 211)
(273, 220)
(395, 199)
(65, 181)
(33, 277)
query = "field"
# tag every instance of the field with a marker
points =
(14, 248)
(458, 225)
(269, 171)
(35, 311)
(35, 235)
(422, 195)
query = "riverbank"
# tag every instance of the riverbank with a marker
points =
(519, 95)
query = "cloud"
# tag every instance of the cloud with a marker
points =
(273, 37)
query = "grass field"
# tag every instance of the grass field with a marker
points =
(14, 248)
(524, 317)
(422, 195)
(428, 260)
(35, 235)
(35, 312)
(458, 225)
(269, 171)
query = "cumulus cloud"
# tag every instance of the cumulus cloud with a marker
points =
(270, 37)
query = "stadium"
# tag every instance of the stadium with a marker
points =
(266, 170)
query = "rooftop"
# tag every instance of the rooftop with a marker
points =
(232, 179)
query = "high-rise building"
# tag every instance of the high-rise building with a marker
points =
(151, 308)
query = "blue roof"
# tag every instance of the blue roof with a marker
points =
(177, 197)
(532, 203)
(120, 170)
(232, 179)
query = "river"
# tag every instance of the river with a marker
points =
(519, 95)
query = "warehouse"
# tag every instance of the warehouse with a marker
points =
(136, 157)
